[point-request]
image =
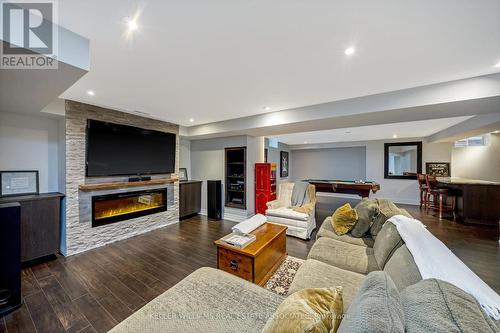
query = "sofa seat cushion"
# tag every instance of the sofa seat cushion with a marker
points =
(376, 308)
(208, 300)
(288, 222)
(287, 213)
(343, 255)
(402, 268)
(316, 274)
(436, 306)
(326, 230)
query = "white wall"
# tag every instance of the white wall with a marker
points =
(401, 190)
(273, 156)
(398, 190)
(478, 162)
(255, 154)
(329, 163)
(185, 155)
(207, 163)
(29, 142)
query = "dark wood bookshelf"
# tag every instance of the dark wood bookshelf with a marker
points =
(236, 184)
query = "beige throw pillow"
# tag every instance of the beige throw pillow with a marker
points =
(314, 310)
(344, 219)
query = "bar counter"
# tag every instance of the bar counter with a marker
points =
(478, 201)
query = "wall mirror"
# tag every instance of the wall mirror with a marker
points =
(402, 160)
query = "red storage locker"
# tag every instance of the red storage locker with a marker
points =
(265, 185)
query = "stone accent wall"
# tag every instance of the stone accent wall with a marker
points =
(80, 236)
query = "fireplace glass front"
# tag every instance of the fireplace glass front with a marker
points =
(117, 207)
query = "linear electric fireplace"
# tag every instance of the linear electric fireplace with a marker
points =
(117, 207)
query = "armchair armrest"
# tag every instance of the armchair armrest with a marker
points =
(273, 204)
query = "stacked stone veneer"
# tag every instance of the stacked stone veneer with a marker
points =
(80, 236)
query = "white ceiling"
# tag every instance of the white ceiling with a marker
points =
(223, 59)
(412, 129)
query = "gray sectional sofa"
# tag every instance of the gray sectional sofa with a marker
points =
(382, 291)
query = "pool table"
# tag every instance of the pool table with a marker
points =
(344, 186)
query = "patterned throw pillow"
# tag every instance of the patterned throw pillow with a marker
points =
(344, 219)
(314, 310)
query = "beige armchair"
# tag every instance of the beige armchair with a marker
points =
(301, 221)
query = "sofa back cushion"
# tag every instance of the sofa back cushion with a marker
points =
(376, 307)
(436, 306)
(386, 210)
(366, 209)
(402, 268)
(285, 194)
(387, 242)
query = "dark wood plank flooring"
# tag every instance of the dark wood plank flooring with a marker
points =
(94, 291)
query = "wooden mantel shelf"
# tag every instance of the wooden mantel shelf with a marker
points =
(106, 186)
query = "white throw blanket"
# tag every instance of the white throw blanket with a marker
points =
(250, 224)
(435, 260)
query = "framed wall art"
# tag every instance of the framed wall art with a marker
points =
(18, 182)
(284, 164)
(438, 169)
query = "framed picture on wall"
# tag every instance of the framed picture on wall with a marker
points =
(183, 174)
(284, 164)
(18, 183)
(438, 169)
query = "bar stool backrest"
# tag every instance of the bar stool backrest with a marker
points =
(431, 181)
(421, 180)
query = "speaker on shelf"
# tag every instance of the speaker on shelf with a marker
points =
(10, 257)
(214, 199)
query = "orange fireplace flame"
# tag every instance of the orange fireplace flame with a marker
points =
(118, 207)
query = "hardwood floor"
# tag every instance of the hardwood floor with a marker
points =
(94, 291)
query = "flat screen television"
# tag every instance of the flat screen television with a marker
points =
(114, 150)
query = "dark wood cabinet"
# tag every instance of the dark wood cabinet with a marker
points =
(40, 224)
(189, 198)
(477, 201)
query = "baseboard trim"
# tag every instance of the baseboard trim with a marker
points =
(234, 218)
(404, 201)
(227, 215)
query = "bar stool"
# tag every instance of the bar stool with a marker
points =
(422, 184)
(436, 196)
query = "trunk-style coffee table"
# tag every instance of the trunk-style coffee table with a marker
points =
(258, 261)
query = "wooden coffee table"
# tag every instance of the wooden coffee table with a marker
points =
(258, 261)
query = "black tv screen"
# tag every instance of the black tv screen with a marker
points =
(114, 150)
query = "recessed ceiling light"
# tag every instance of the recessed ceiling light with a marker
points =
(350, 50)
(394, 136)
(90, 93)
(496, 132)
(191, 120)
(497, 65)
(131, 24)
(305, 142)
(267, 108)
